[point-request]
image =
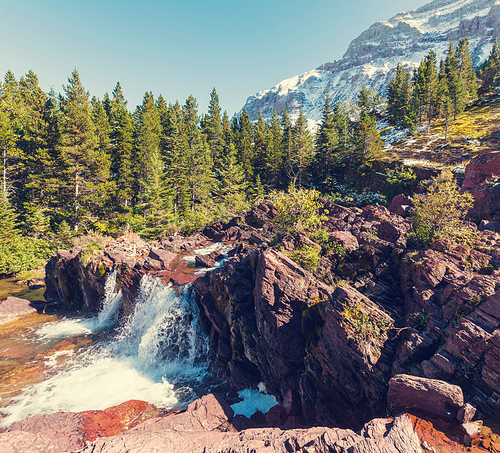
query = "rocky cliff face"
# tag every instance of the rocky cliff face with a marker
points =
(327, 344)
(378, 327)
(372, 57)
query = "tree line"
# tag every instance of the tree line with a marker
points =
(72, 162)
(439, 92)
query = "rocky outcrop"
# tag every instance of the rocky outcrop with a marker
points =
(13, 307)
(68, 431)
(327, 344)
(205, 426)
(482, 180)
(432, 396)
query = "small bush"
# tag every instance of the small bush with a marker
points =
(307, 256)
(23, 253)
(90, 243)
(440, 212)
(351, 198)
(298, 210)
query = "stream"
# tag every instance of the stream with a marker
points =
(159, 354)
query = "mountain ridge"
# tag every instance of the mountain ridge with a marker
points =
(372, 57)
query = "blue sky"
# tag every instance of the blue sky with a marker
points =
(178, 48)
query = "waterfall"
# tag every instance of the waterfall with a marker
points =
(163, 333)
(159, 355)
(108, 314)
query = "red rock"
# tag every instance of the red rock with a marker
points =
(14, 306)
(164, 256)
(204, 261)
(400, 204)
(346, 239)
(428, 395)
(70, 430)
(115, 420)
(466, 413)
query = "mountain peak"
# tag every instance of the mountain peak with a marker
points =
(372, 57)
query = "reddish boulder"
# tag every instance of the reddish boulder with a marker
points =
(401, 205)
(164, 256)
(346, 239)
(431, 396)
(14, 306)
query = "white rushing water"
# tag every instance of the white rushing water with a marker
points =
(159, 355)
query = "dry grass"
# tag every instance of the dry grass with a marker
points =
(473, 131)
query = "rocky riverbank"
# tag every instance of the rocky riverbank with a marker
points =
(340, 345)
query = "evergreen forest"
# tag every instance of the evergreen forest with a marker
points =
(72, 163)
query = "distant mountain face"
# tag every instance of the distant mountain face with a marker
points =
(372, 57)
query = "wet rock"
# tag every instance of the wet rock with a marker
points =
(165, 257)
(204, 261)
(12, 307)
(68, 431)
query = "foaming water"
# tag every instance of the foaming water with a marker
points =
(159, 355)
(107, 316)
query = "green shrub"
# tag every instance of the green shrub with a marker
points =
(298, 210)
(307, 256)
(90, 243)
(441, 211)
(23, 254)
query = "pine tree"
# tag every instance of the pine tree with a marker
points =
(444, 99)
(327, 140)
(9, 130)
(34, 155)
(78, 144)
(366, 101)
(286, 147)
(151, 175)
(122, 148)
(343, 125)
(245, 144)
(212, 128)
(274, 154)
(467, 74)
(176, 165)
(43, 186)
(431, 85)
(260, 142)
(368, 143)
(8, 220)
(455, 87)
(104, 188)
(398, 96)
(490, 71)
(227, 132)
(199, 177)
(302, 151)
(233, 186)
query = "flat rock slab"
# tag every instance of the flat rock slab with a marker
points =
(14, 306)
(432, 396)
(204, 427)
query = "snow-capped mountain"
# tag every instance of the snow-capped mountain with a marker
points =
(372, 57)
